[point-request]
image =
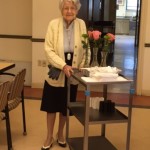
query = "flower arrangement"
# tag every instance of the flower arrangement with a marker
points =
(107, 39)
(95, 39)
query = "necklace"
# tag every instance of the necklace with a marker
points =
(69, 37)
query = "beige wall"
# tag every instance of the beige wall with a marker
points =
(16, 19)
(42, 13)
(143, 71)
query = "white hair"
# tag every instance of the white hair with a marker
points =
(76, 2)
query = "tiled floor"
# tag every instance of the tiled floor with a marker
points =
(125, 56)
(36, 129)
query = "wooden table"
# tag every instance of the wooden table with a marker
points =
(4, 66)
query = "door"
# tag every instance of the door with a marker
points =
(84, 11)
(137, 27)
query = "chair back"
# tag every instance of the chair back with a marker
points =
(17, 85)
(4, 90)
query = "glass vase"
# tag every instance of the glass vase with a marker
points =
(103, 59)
(86, 64)
(94, 60)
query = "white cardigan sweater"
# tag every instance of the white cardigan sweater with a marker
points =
(54, 47)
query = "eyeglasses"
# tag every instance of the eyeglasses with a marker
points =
(70, 8)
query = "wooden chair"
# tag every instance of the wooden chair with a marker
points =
(16, 96)
(4, 93)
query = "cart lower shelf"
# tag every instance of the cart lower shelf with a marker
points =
(97, 117)
(94, 143)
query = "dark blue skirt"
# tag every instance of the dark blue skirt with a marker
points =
(54, 99)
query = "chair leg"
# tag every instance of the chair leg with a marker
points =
(8, 129)
(23, 113)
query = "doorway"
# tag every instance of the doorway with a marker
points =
(127, 36)
(125, 14)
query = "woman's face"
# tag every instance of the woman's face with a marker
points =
(69, 11)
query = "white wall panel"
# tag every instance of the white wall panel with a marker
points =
(16, 49)
(39, 71)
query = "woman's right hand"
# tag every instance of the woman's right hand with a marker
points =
(68, 70)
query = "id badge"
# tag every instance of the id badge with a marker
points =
(68, 56)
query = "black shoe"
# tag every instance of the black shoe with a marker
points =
(62, 144)
(47, 147)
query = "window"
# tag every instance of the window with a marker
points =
(131, 4)
(120, 2)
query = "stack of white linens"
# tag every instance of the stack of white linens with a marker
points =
(104, 72)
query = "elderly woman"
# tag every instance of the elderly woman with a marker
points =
(64, 52)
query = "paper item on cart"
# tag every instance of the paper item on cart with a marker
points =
(94, 102)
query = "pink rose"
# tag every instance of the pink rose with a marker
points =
(96, 34)
(90, 34)
(111, 37)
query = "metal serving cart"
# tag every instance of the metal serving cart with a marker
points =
(87, 115)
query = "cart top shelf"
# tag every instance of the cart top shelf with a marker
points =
(91, 81)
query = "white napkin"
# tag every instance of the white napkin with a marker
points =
(104, 72)
(98, 75)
